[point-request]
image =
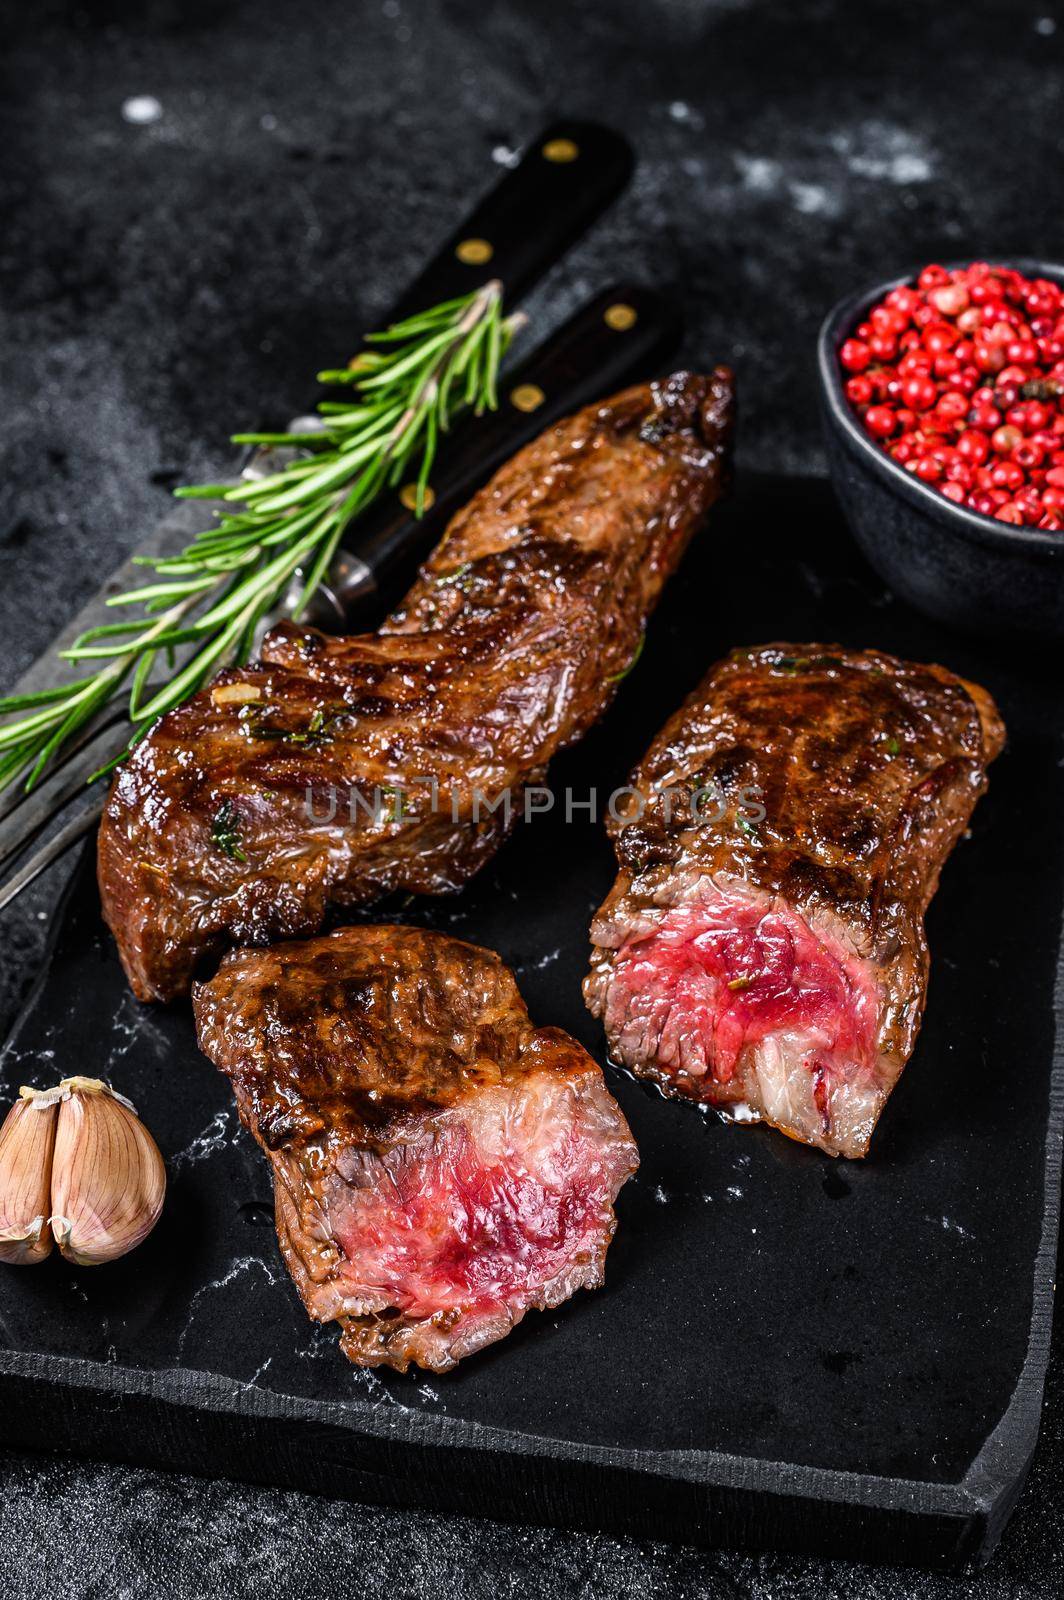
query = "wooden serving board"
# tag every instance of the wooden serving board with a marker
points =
(840, 1357)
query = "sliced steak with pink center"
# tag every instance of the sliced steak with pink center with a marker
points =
(763, 950)
(440, 1166)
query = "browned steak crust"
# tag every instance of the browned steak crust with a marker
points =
(508, 647)
(439, 1165)
(867, 769)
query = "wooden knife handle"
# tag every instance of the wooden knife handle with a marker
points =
(563, 182)
(624, 333)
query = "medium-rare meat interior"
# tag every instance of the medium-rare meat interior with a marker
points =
(251, 809)
(440, 1165)
(763, 947)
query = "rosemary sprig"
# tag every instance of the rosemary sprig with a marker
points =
(207, 601)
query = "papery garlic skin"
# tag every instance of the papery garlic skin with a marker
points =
(27, 1140)
(108, 1177)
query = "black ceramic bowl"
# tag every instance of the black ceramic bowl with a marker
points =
(948, 561)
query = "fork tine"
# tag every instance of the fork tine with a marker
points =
(23, 816)
(43, 806)
(17, 798)
(23, 822)
(58, 845)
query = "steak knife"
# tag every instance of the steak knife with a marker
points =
(562, 183)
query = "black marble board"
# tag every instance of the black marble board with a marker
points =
(838, 1357)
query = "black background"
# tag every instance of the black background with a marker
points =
(166, 281)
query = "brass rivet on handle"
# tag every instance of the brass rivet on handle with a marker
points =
(620, 317)
(527, 397)
(408, 496)
(561, 150)
(474, 252)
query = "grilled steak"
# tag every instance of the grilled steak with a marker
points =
(763, 948)
(439, 1164)
(335, 770)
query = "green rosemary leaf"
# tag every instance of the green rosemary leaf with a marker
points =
(108, 630)
(618, 677)
(12, 764)
(225, 832)
(79, 714)
(101, 652)
(310, 439)
(455, 575)
(420, 319)
(318, 569)
(428, 457)
(38, 697)
(491, 398)
(246, 639)
(116, 761)
(396, 367)
(140, 678)
(213, 595)
(17, 733)
(158, 591)
(190, 679)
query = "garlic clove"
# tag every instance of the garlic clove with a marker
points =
(108, 1178)
(27, 1139)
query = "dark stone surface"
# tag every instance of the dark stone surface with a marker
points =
(164, 281)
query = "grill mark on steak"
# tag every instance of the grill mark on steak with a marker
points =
(507, 649)
(780, 971)
(440, 1166)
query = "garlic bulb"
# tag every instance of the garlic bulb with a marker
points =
(108, 1178)
(76, 1165)
(27, 1139)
